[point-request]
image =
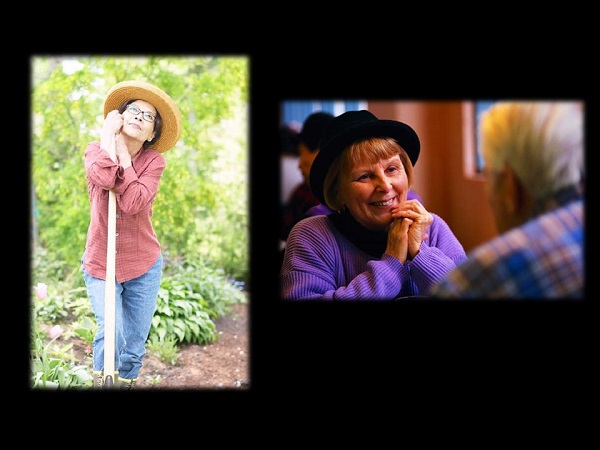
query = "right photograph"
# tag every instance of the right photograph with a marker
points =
(432, 200)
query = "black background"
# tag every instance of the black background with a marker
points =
(314, 353)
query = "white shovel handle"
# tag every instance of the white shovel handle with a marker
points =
(109, 285)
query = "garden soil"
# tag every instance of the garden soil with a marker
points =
(222, 364)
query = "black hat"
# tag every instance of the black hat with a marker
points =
(289, 140)
(353, 126)
(313, 127)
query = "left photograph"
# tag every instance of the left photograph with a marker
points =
(139, 236)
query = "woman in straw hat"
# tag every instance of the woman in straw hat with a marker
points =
(142, 122)
(378, 244)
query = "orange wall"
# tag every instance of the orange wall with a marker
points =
(442, 177)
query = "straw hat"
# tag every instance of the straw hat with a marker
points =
(166, 107)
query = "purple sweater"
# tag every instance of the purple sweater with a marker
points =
(320, 263)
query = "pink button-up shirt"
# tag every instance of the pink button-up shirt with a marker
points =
(137, 247)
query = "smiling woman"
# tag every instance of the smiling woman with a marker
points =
(378, 244)
(122, 262)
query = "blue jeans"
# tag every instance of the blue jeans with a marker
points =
(135, 304)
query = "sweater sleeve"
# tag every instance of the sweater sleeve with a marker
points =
(319, 264)
(439, 254)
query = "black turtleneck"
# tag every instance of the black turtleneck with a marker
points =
(371, 242)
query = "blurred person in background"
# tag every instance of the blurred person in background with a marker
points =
(534, 165)
(288, 162)
(301, 198)
(377, 244)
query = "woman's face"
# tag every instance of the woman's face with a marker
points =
(372, 190)
(136, 126)
(305, 160)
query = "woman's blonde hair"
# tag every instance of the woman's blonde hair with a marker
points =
(371, 150)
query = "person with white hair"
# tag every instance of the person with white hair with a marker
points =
(534, 167)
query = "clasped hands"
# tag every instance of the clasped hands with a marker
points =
(112, 130)
(408, 230)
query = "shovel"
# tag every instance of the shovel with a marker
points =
(109, 285)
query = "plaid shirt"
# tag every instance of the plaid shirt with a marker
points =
(543, 258)
(137, 247)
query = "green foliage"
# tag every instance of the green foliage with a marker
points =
(51, 309)
(52, 367)
(85, 329)
(165, 349)
(65, 296)
(191, 296)
(46, 266)
(202, 204)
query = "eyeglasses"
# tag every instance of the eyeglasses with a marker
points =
(148, 117)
